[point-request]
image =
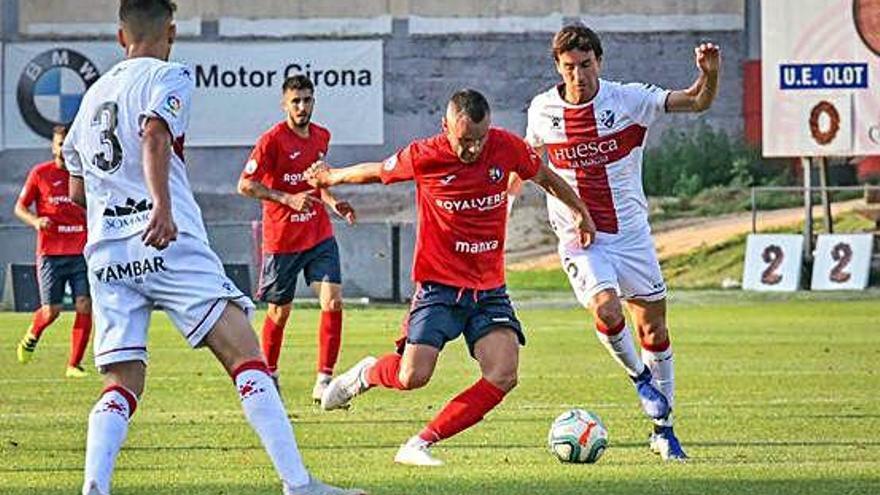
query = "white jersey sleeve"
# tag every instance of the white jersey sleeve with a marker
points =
(533, 135)
(170, 99)
(72, 159)
(644, 102)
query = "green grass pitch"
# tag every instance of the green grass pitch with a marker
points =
(776, 396)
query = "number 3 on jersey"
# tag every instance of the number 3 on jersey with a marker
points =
(104, 120)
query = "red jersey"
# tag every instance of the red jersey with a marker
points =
(46, 186)
(462, 207)
(278, 162)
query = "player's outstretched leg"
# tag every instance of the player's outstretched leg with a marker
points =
(43, 317)
(234, 343)
(498, 354)
(409, 371)
(342, 389)
(108, 423)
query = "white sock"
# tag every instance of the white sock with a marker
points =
(265, 412)
(323, 377)
(108, 426)
(623, 350)
(661, 365)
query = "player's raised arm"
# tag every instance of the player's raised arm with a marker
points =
(556, 186)
(701, 94)
(398, 167)
(156, 146)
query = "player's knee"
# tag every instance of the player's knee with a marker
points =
(412, 379)
(278, 313)
(653, 333)
(128, 374)
(51, 312)
(332, 304)
(83, 305)
(504, 379)
(609, 313)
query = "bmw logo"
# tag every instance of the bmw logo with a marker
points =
(51, 87)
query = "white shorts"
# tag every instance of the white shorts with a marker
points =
(625, 262)
(129, 279)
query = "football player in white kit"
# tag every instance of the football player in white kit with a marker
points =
(147, 247)
(593, 132)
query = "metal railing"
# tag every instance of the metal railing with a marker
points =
(800, 189)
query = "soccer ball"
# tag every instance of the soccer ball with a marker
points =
(578, 436)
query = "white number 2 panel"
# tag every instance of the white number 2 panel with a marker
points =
(773, 262)
(843, 261)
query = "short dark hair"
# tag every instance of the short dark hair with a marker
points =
(59, 130)
(145, 18)
(576, 37)
(470, 102)
(298, 81)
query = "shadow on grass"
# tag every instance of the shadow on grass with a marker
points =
(413, 486)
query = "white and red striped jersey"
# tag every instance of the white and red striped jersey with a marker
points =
(597, 148)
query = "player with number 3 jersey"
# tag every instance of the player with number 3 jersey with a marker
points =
(147, 247)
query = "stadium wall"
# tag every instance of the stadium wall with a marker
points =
(430, 50)
(420, 71)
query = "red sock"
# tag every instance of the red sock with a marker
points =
(464, 411)
(40, 322)
(79, 338)
(329, 340)
(273, 337)
(385, 372)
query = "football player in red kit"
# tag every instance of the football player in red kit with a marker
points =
(297, 234)
(461, 180)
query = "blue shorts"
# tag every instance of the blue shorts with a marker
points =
(440, 313)
(280, 271)
(54, 272)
